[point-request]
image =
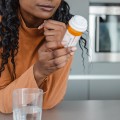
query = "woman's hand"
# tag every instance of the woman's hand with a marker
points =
(54, 32)
(50, 61)
(52, 55)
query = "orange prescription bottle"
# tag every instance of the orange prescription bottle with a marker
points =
(76, 27)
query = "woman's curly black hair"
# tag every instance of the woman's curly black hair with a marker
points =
(9, 41)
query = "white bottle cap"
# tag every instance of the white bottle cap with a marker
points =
(78, 23)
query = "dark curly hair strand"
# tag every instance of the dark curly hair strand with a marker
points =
(9, 32)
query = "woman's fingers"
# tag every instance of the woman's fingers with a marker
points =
(54, 45)
(63, 51)
(49, 55)
(58, 61)
(57, 23)
(50, 32)
(54, 25)
(45, 56)
(60, 56)
(54, 32)
(57, 66)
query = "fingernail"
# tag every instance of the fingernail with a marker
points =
(72, 53)
(45, 21)
(41, 26)
(74, 49)
(64, 43)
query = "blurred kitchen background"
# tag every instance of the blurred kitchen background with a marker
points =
(100, 78)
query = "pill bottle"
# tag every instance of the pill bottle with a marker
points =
(76, 27)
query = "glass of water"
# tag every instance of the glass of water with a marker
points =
(27, 104)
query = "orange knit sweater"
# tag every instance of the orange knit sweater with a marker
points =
(54, 85)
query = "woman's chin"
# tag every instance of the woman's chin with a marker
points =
(44, 16)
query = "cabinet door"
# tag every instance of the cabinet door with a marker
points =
(104, 89)
(77, 90)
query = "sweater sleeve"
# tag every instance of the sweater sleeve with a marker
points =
(26, 80)
(56, 86)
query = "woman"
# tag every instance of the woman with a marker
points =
(32, 51)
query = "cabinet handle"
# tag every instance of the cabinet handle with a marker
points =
(97, 33)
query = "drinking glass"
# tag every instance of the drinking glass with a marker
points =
(27, 104)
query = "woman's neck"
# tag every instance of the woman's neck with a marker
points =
(31, 21)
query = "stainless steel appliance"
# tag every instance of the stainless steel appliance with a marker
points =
(104, 31)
